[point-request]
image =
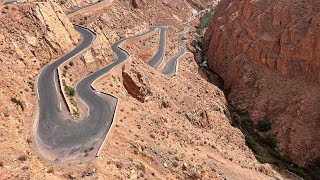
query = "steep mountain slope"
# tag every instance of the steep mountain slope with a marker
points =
(180, 129)
(268, 55)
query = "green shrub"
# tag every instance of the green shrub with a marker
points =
(264, 126)
(204, 22)
(270, 141)
(18, 102)
(251, 144)
(235, 120)
(70, 91)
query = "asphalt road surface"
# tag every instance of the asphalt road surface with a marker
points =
(77, 9)
(158, 57)
(56, 131)
(171, 67)
(9, 2)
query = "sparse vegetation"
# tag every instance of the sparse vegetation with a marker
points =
(153, 136)
(64, 72)
(270, 141)
(50, 170)
(22, 158)
(18, 102)
(69, 91)
(175, 164)
(119, 164)
(204, 21)
(264, 126)
(264, 146)
(31, 85)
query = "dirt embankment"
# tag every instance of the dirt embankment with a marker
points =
(268, 55)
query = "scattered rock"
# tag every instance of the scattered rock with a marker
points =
(184, 166)
(165, 165)
(199, 119)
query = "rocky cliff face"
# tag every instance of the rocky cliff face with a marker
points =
(268, 54)
(200, 4)
(68, 4)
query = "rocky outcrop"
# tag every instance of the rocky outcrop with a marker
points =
(135, 82)
(136, 3)
(201, 4)
(35, 32)
(268, 55)
(68, 4)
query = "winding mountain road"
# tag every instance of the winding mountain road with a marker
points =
(172, 65)
(9, 2)
(83, 7)
(56, 131)
(158, 57)
(56, 134)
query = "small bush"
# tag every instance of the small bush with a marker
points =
(270, 141)
(119, 164)
(18, 102)
(24, 168)
(143, 168)
(251, 144)
(50, 170)
(71, 63)
(175, 164)
(70, 91)
(235, 120)
(64, 72)
(22, 158)
(263, 126)
(152, 136)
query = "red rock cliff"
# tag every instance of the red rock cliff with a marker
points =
(268, 53)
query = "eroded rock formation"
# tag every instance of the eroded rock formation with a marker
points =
(267, 52)
(201, 4)
(135, 82)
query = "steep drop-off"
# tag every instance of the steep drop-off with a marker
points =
(267, 52)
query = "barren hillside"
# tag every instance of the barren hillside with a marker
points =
(165, 127)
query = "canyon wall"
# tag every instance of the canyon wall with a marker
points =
(268, 54)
